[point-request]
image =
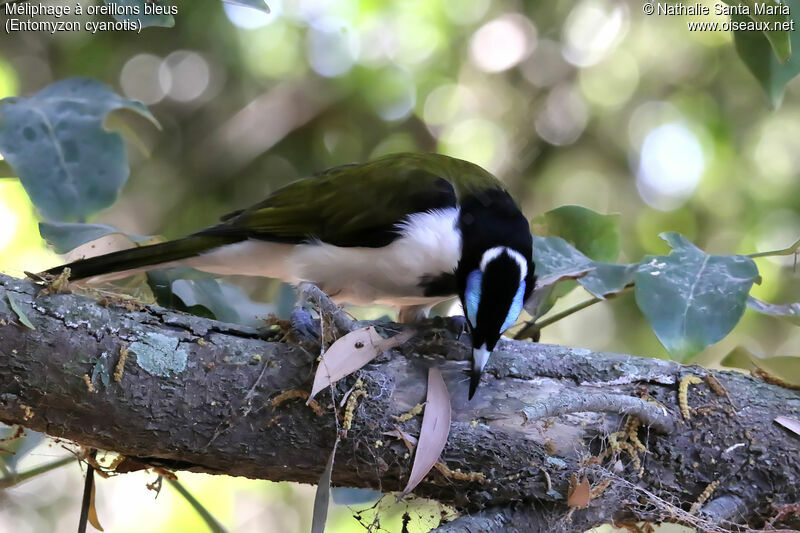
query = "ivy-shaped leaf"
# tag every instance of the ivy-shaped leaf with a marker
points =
(692, 299)
(756, 51)
(606, 278)
(70, 166)
(595, 235)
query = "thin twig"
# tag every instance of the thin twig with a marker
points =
(793, 249)
(88, 486)
(212, 523)
(16, 479)
(532, 327)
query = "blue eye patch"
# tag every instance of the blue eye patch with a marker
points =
(516, 307)
(472, 295)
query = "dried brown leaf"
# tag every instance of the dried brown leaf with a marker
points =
(579, 494)
(93, 512)
(352, 352)
(434, 431)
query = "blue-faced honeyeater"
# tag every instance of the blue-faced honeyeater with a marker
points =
(407, 230)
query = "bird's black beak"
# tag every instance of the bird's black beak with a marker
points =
(479, 358)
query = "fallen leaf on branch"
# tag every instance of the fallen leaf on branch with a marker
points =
(23, 318)
(792, 424)
(352, 352)
(434, 431)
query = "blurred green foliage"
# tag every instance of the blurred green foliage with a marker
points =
(586, 103)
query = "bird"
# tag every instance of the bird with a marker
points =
(406, 230)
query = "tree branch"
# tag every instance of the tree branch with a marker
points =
(201, 395)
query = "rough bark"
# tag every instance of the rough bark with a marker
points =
(197, 395)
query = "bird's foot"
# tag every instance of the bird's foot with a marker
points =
(341, 321)
(303, 326)
(457, 324)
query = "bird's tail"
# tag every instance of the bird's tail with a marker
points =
(141, 258)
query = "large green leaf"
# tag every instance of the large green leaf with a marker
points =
(608, 278)
(756, 51)
(790, 312)
(595, 235)
(70, 166)
(150, 19)
(260, 5)
(690, 298)
(554, 255)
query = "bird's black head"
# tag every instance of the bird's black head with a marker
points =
(493, 299)
(495, 274)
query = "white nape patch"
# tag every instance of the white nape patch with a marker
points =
(479, 357)
(494, 253)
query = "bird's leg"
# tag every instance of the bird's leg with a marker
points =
(308, 292)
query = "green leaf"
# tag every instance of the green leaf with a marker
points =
(70, 166)
(554, 255)
(608, 278)
(66, 236)
(260, 5)
(164, 21)
(784, 367)
(596, 235)
(790, 312)
(690, 298)
(779, 40)
(23, 318)
(757, 53)
(196, 292)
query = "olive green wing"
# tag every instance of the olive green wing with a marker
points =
(355, 205)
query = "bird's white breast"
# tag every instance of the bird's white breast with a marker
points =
(429, 245)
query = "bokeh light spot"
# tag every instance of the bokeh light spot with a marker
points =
(592, 30)
(477, 140)
(184, 75)
(332, 47)
(139, 79)
(564, 117)
(502, 43)
(671, 164)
